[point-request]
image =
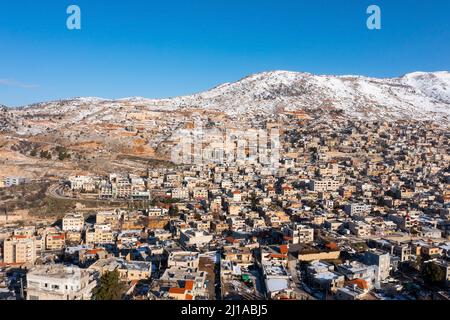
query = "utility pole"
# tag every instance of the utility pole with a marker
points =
(21, 288)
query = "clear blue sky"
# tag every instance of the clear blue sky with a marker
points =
(173, 47)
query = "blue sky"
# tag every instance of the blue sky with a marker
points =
(173, 47)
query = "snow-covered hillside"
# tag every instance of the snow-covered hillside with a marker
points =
(417, 95)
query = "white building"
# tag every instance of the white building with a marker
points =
(80, 182)
(58, 282)
(355, 270)
(380, 259)
(180, 193)
(13, 181)
(183, 259)
(73, 222)
(190, 237)
(355, 209)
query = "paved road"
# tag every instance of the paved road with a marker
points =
(298, 283)
(55, 192)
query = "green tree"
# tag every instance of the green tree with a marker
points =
(109, 287)
(254, 201)
(416, 264)
(432, 273)
(173, 211)
(45, 154)
(62, 155)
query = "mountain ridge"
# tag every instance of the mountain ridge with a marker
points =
(137, 98)
(417, 95)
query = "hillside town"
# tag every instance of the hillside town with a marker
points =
(355, 210)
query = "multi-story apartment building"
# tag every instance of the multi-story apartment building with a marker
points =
(81, 183)
(242, 256)
(380, 259)
(355, 270)
(108, 217)
(323, 275)
(100, 234)
(355, 209)
(190, 237)
(58, 282)
(360, 229)
(128, 270)
(73, 222)
(13, 181)
(298, 233)
(180, 193)
(55, 241)
(19, 250)
(405, 221)
(28, 231)
(200, 193)
(324, 185)
(183, 259)
(219, 226)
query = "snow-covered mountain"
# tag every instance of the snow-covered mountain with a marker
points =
(417, 95)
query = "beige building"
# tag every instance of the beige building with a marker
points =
(128, 270)
(100, 234)
(28, 231)
(219, 226)
(73, 237)
(183, 259)
(55, 241)
(324, 185)
(19, 250)
(234, 209)
(299, 233)
(108, 217)
(242, 256)
(359, 229)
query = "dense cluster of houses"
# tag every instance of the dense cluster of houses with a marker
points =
(355, 210)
